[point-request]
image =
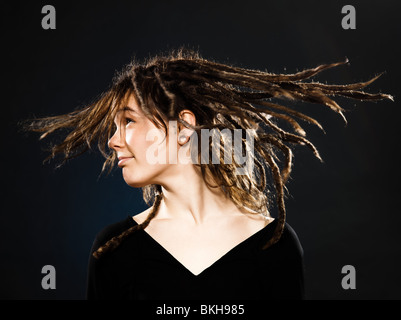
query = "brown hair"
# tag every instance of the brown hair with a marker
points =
(221, 96)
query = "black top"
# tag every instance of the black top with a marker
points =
(141, 269)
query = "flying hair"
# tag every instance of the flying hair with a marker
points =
(221, 96)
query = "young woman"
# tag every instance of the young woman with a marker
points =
(205, 142)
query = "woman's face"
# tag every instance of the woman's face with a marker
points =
(134, 142)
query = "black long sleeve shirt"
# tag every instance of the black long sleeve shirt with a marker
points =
(141, 269)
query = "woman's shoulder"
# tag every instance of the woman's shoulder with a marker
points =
(112, 230)
(288, 244)
(290, 236)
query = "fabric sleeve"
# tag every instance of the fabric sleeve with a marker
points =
(285, 265)
(95, 286)
(99, 281)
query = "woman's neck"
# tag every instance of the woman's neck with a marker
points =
(187, 196)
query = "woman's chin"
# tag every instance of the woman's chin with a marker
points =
(136, 182)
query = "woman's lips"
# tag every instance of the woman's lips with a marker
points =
(122, 160)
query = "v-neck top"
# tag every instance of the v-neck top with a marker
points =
(142, 269)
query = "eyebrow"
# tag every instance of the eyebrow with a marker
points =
(127, 108)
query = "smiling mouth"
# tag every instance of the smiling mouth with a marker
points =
(123, 160)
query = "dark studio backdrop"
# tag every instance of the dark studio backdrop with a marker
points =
(345, 211)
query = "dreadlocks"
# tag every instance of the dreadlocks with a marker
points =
(222, 97)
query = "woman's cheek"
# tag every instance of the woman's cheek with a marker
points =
(133, 138)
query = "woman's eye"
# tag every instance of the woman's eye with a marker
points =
(128, 120)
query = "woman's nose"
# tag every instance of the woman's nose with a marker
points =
(116, 141)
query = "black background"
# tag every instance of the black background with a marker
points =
(345, 211)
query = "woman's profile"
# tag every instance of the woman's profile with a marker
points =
(210, 145)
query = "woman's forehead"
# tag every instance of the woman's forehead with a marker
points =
(130, 105)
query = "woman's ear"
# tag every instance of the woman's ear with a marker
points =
(184, 132)
(188, 116)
